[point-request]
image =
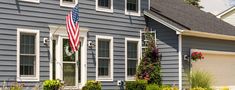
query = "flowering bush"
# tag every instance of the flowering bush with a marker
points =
(196, 55)
(150, 65)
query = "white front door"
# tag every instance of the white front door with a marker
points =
(66, 66)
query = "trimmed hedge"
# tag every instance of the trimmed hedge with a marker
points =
(92, 85)
(136, 85)
(51, 85)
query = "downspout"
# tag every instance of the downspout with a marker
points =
(180, 59)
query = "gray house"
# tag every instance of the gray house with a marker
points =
(182, 29)
(34, 42)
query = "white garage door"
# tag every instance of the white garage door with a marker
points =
(220, 65)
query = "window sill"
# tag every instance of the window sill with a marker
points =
(133, 13)
(128, 78)
(104, 10)
(104, 79)
(35, 1)
(27, 78)
(70, 5)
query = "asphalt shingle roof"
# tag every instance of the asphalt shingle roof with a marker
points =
(188, 17)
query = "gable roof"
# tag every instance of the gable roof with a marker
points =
(188, 17)
(226, 11)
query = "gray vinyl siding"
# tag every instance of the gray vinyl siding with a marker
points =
(20, 14)
(167, 43)
(189, 42)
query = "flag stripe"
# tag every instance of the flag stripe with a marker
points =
(72, 25)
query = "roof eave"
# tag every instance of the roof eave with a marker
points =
(163, 22)
(207, 35)
(225, 12)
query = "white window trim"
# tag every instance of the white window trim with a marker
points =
(34, 1)
(37, 52)
(104, 9)
(111, 58)
(133, 13)
(138, 47)
(68, 4)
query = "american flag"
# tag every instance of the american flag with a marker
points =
(72, 25)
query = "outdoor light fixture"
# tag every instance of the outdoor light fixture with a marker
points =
(46, 41)
(91, 44)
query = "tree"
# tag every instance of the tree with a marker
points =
(150, 66)
(194, 3)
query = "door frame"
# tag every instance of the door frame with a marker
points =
(60, 31)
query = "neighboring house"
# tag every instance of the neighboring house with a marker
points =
(34, 42)
(182, 29)
(228, 15)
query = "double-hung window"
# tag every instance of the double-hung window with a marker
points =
(68, 3)
(104, 5)
(131, 58)
(132, 7)
(104, 65)
(27, 55)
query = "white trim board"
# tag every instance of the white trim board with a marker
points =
(180, 61)
(97, 8)
(110, 78)
(33, 1)
(213, 52)
(37, 52)
(139, 54)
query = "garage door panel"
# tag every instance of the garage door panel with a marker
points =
(220, 66)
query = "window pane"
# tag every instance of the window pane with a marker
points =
(131, 67)
(27, 44)
(27, 65)
(132, 49)
(132, 5)
(103, 48)
(103, 67)
(104, 3)
(69, 74)
(67, 51)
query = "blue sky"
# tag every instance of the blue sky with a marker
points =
(216, 6)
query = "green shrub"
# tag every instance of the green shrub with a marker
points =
(153, 87)
(16, 86)
(150, 65)
(52, 85)
(200, 79)
(92, 85)
(169, 88)
(224, 88)
(136, 85)
(199, 88)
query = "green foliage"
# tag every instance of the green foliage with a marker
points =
(150, 66)
(194, 3)
(16, 86)
(51, 84)
(153, 87)
(136, 85)
(92, 85)
(156, 87)
(224, 88)
(199, 88)
(199, 79)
